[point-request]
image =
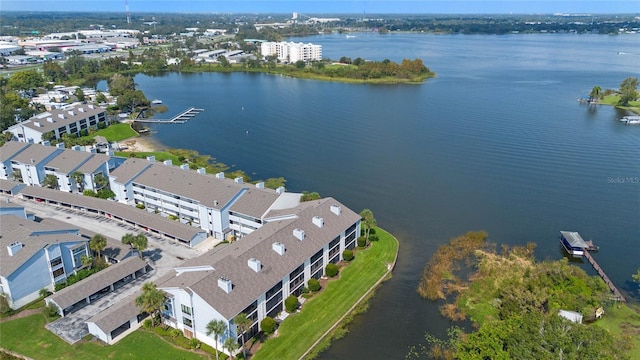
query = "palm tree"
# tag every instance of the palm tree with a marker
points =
(151, 300)
(101, 181)
(217, 328)
(140, 243)
(242, 324)
(369, 221)
(595, 94)
(86, 260)
(231, 345)
(128, 239)
(78, 177)
(97, 243)
(50, 181)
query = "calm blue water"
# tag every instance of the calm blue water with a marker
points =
(496, 142)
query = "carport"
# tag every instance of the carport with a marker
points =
(84, 292)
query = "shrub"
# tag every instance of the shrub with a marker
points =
(194, 343)
(373, 237)
(174, 333)
(268, 325)
(147, 324)
(4, 305)
(331, 270)
(347, 255)
(140, 206)
(51, 311)
(314, 284)
(362, 241)
(291, 303)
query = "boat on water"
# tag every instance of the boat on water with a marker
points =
(156, 102)
(574, 244)
(631, 120)
(350, 36)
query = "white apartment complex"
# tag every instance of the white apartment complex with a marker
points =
(292, 52)
(69, 120)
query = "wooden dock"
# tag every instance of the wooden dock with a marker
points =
(181, 118)
(616, 293)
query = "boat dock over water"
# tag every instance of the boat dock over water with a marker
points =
(577, 247)
(181, 118)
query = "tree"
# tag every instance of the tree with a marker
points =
(151, 300)
(268, 325)
(100, 180)
(25, 80)
(231, 345)
(128, 239)
(300, 64)
(78, 177)
(97, 243)
(595, 94)
(628, 91)
(50, 181)
(79, 95)
(100, 97)
(636, 277)
(242, 324)
(119, 84)
(86, 260)
(369, 221)
(217, 328)
(140, 243)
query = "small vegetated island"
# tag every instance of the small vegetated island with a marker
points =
(520, 308)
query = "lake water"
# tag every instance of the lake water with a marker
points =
(496, 142)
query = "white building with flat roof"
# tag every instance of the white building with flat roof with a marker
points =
(292, 52)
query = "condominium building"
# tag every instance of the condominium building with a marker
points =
(31, 163)
(255, 275)
(292, 52)
(68, 120)
(225, 208)
(36, 255)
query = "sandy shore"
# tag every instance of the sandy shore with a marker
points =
(141, 144)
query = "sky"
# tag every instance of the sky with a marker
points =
(316, 7)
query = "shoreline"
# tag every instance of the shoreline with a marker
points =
(141, 143)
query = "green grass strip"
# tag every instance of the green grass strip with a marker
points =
(300, 332)
(28, 336)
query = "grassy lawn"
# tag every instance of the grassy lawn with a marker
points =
(621, 319)
(117, 132)
(160, 155)
(634, 106)
(27, 336)
(299, 331)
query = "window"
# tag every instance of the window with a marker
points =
(187, 322)
(77, 255)
(186, 309)
(55, 262)
(58, 273)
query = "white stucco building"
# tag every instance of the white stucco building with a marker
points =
(292, 52)
(68, 120)
(255, 275)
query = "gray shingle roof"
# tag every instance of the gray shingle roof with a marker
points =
(35, 154)
(11, 148)
(230, 261)
(206, 189)
(152, 221)
(93, 163)
(89, 286)
(113, 317)
(68, 160)
(15, 229)
(9, 185)
(129, 169)
(254, 203)
(79, 112)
